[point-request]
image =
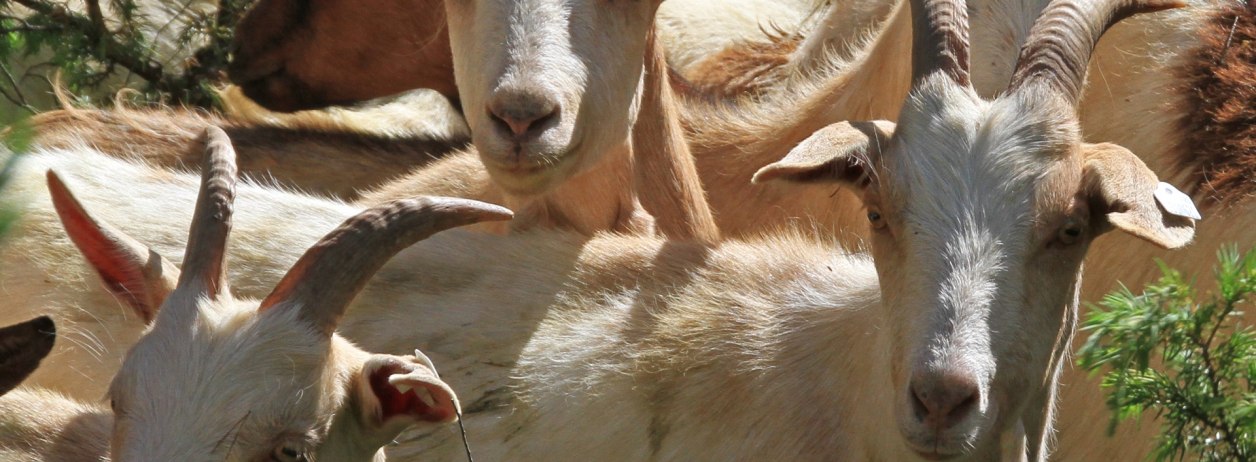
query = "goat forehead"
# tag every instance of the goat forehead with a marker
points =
(221, 360)
(958, 160)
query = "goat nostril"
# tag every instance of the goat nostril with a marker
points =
(522, 114)
(918, 405)
(961, 410)
(944, 402)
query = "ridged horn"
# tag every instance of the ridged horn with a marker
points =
(940, 39)
(204, 265)
(1057, 51)
(332, 272)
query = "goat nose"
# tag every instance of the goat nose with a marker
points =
(943, 400)
(522, 113)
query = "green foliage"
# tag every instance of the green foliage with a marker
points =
(117, 44)
(14, 139)
(1185, 356)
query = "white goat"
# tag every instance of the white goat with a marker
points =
(1176, 89)
(960, 356)
(272, 381)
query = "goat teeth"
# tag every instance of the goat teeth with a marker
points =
(426, 396)
(399, 382)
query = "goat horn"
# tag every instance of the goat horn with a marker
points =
(204, 268)
(940, 39)
(332, 272)
(1061, 41)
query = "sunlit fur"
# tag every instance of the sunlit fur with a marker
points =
(417, 114)
(759, 61)
(246, 383)
(318, 152)
(694, 30)
(38, 425)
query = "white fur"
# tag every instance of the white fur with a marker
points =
(582, 56)
(38, 425)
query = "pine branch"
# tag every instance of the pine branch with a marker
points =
(109, 48)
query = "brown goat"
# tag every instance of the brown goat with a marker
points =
(292, 54)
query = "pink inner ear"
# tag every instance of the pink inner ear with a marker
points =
(117, 264)
(394, 403)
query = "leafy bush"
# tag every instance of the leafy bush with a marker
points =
(98, 49)
(1186, 356)
(13, 139)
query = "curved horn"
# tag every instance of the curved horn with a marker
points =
(939, 39)
(1059, 45)
(204, 268)
(332, 272)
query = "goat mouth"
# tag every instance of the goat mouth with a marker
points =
(417, 402)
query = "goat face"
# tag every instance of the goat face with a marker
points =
(220, 379)
(982, 212)
(981, 222)
(235, 384)
(548, 86)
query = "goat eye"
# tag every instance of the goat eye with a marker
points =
(288, 453)
(1070, 234)
(875, 218)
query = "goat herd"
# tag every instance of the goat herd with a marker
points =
(864, 242)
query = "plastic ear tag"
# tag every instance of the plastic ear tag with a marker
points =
(1176, 202)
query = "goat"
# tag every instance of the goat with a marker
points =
(1177, 90)
(958, 354)
(339, 402)
(22, 347)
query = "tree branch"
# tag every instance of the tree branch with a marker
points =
(109, 48)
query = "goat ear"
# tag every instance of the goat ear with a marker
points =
(1127, 195)
(837, 153)
(22, 347)
(134, 273)
(405, 389)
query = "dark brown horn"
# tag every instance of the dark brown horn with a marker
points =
(332, 272)
(1059, 45)
(940, 39)
(204, 268)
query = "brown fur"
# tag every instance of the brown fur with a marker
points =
(296, 54)
(731, 143)
(666, 177)
(745, 68)
(1219, 82)
(309, 160)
